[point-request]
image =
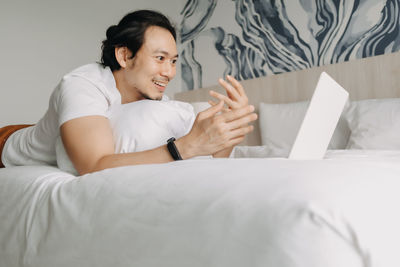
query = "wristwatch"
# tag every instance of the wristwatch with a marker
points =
(173, 150)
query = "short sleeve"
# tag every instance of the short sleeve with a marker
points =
(78, 97)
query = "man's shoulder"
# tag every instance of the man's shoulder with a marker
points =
(94, 74)
(92, 71)
(91, 79)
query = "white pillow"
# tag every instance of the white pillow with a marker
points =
(279, 124)
(147, 124)
(252, 152)
(374, 124)
(141, 125)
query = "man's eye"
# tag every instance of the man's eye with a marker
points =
(174, 61)
(160, 58)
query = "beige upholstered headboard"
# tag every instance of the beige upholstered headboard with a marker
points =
(373, 77)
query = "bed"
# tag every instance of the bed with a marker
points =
(256, 208)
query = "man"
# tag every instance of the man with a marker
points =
(138, 60)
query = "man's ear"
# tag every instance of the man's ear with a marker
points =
(121, 55)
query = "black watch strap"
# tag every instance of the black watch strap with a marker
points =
(173, 150)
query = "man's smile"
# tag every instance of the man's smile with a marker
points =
(160, 84)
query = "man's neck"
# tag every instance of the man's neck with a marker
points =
(127, 95)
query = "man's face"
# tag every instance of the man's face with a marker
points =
(153, 66)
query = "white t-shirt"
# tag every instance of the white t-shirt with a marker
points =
(87, 90)
(91, 90)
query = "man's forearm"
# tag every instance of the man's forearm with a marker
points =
(153, 156)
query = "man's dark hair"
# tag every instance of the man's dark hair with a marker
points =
(130, 33)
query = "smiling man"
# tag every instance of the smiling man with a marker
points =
(138, 60)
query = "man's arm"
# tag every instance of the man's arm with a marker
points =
(90, 146)
(89, 143)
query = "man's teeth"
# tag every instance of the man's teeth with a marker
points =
(160, 83)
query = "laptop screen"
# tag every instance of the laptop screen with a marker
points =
(319, 123)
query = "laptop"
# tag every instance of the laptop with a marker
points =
(319, 123)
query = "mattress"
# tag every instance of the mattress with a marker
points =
(340, 211)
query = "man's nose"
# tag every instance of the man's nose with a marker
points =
(168, 69)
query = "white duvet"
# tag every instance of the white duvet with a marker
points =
(340, 211)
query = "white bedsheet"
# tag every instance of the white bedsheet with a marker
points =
(341, 211)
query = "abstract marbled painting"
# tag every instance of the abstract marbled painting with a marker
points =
(254, 38)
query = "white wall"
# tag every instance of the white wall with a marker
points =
(42, 40)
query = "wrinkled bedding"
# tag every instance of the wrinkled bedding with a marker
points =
(340, 211)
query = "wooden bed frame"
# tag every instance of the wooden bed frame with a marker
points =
(367, 78)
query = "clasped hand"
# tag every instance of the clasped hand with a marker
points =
(219, 127)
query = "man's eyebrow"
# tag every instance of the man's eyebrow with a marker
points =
(165, 53)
